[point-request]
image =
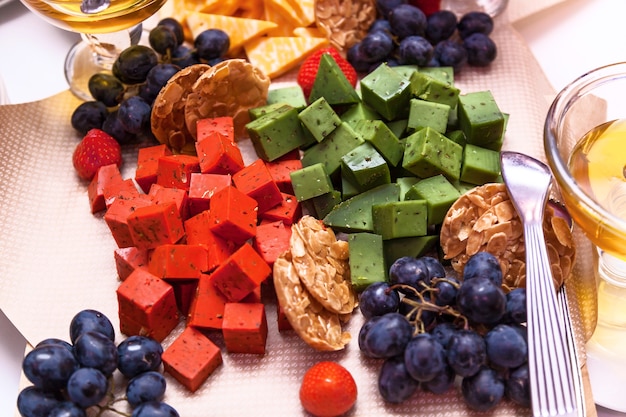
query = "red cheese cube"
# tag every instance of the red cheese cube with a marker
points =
(147, 304)
(221, 126)
(191, 358)
(178, 196)
(155, 225)
(125, 190)
(207, 306)
(245, 328)
(255, 181)
(198, 231)
(253, 297)
(271, 240)
(106, 176)
(288, 211)
(174, 171)
(233, 215)
(218, 154)
(128, 259)
(281, 169)
(172, 262)
(201, 189)
(185, 292)
(116, 217)
(148, 165)
(241, 273)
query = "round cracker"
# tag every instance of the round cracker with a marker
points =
(229, 88)
(168, 111)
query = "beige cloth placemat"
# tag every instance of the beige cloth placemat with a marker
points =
(56, 258)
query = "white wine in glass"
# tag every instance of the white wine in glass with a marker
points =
(106, 27)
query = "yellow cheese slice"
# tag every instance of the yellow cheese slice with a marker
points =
(251, 9)
(277, 55)
(309, 32)
(286, 10)
(305, 10)
(284, 26)
(239, 29)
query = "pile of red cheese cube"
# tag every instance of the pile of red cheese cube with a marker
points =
(197, 236)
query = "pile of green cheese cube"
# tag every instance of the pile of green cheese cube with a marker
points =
(383, 162)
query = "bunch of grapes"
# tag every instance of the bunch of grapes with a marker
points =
(404, 35)
(431, 329)
(70, 378)
(122, 100)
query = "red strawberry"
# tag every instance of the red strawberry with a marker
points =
(328, 389)
(308, 69)
(427, 6)
(96, 149)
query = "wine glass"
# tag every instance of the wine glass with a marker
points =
(106, 26)
(585, 146)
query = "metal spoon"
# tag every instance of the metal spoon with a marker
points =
(552, 365)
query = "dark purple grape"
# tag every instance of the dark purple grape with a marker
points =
(357, 59)
(184, 56)
(434, 266)
(154, 409)
(95, 350)
(49, 367)
(378, 299)
(175, 26)
(441, 382)
(483, 390)
(91, 321)
(162, 39)
(466, 352)
(156, 79)
(365, 328)
(67, 409)
(384, 7)
(481, 49)
(440, 26)
(450, 53)
(481, 301)
(133, 64)
(137, 354)
(88, 115)
(376, 46)
(443, 332)
(388, 336)
(106, 88)
(516, 306)
(446, 291)
(380, 24)
(506, 346)
(415, 50)
(407, 20)
(211, 44)
(147, 386)
(87, 387)
(113, 126)
(34, 402)
(409, 271)
(517, 386)
(394, 382)
(424, 357)
(475, 22)
(426, 316)
(134, 114)
(57, 342)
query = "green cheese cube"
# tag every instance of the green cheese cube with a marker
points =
(387, 92)
(414, 247)
(400, 219)
(291, 95)
(277, 133)
(331, 83)
(382, 138)
(428, 88)
(324, 203)
(310, 181)
(367, 260)
(439, 194)
(443, 74)
(457, 136)
(357, 112)
(398, 127)
(329, 152)
(480, 165)
(405, 184)
(481, 120)
(405, 70)
(319, 118)
(355, 214)
(424, 113)
(429, 153)
(348, 189)
(365, 167)
(257, 112)
(462, 186)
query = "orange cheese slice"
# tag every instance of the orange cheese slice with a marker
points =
(309, 32)
(284, 26)
(305, 9)
(277, 55)
(286, 10)
(239, 29)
